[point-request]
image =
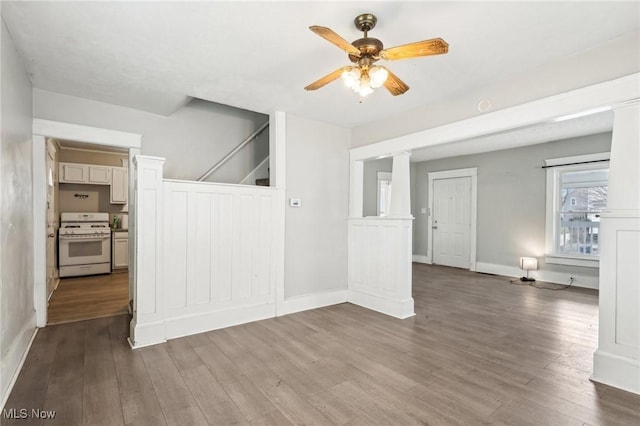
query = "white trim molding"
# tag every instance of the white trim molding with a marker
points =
(43, 129)
(79, 133)
(419, 258)
(312, 301)
(471, 173)
(557, 166)
(564, 278)
(558, 259)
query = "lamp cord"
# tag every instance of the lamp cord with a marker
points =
(533, 284)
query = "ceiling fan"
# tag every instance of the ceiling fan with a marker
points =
(364, 52)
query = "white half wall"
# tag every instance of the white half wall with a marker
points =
(380, 265)
(206, 255)
(218, 255)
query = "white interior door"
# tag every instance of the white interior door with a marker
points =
(451, 225)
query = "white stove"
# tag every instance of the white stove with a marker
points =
(84, 244)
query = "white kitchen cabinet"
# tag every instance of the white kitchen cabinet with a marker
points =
(74, 173)
(120, 250)
(85, 173)
(119, 185)
(99, 175)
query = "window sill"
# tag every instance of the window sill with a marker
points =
(585, 262)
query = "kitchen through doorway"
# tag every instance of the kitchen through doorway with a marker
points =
(87, 249)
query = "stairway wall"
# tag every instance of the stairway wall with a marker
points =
(191, 140)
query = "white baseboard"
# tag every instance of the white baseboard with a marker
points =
(185, 325)
(421, 259)
(146, 334)
(312, 301)
(201, 322)
(157, 332)
(396, 308)
(583, 281)
(15, 357)
(616, 371)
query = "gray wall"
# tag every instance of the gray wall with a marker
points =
(17, 314)
(316, 233)
(370, 183)
(191, 140)
(511, 199)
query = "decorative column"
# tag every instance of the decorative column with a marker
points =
(147, 325)
(401, 186)
(616, 362)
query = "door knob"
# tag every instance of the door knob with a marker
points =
(434, 227)
(51, 235)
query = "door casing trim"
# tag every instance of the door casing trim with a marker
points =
(449, 174)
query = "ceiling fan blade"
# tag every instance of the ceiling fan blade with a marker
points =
(434, 46)
(332, 37)
(325, 80)
(394, 85)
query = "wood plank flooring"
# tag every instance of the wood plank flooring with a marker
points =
(82, 298)
(478, 351)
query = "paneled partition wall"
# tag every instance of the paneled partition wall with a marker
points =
(209, 261)
(380, 248)
(380, 266)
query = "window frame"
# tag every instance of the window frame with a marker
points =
(555, 168)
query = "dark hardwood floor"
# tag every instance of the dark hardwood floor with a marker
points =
(478, 351)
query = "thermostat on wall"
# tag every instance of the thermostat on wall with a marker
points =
(295, 202)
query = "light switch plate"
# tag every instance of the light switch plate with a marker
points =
(295, 202)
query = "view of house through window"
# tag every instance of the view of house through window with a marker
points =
(384, 193)
(583, 195)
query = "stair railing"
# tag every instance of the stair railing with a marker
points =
(233, 152)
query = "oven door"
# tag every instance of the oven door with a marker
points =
(84, 249)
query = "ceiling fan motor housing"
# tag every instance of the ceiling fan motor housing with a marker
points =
(369, 47)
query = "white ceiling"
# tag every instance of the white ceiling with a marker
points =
(258, 56)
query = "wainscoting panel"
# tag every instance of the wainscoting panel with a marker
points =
(380, 265)
(217, 244)
(217, 253)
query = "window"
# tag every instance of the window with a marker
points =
(384, 193)
(576, 195)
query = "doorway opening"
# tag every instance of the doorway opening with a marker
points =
(87, 231)
(83, 194)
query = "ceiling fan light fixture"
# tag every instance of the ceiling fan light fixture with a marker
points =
(351, 77)
(363, 81)
(364, 88)
(378, 76)
(364, 77)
